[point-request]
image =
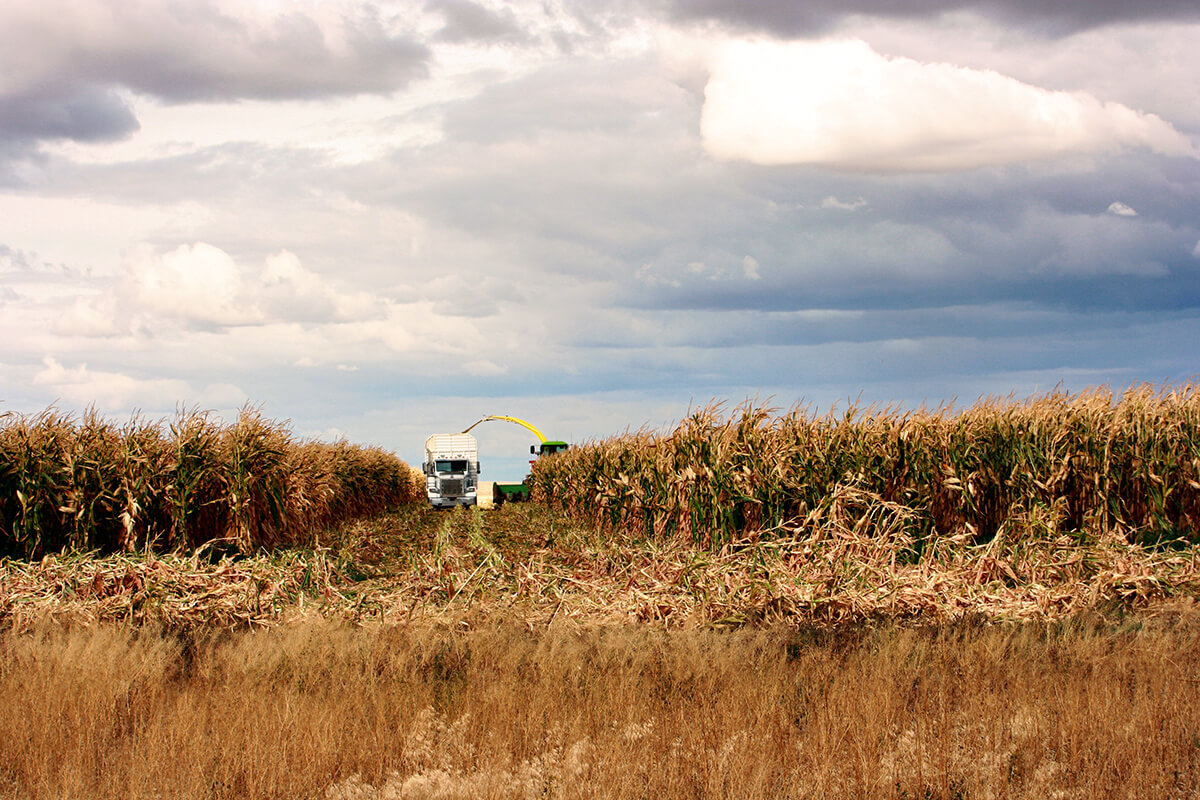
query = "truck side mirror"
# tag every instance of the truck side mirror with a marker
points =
(533, 449)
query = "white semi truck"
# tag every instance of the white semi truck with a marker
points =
(451, 469)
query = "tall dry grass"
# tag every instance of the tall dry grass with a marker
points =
(91, 484)
(1074, 710)
(1094, 464)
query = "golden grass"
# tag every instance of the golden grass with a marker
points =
(516, 653)
(90, 484)
(1080, 709)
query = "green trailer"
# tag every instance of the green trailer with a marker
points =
(519, 492)
(509, 493)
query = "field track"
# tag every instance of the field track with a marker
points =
(529, 562)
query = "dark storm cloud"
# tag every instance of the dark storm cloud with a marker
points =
(62, 72)
(1147, 347)
(86, 114)
(1176, 291)
(859, 242)
(984, 273)
(592, 170)
(812, 17)
(469, 22)
(1076, 263)
(189, 52)
(989, 320)
(12, 260)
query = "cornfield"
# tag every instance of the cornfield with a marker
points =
(1092, 465)
(91, 484)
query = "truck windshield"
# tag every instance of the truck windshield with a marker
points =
(456, 465)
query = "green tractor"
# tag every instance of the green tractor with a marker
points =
(519, 492)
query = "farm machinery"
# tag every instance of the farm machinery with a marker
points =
(518, 492)
(451, 469)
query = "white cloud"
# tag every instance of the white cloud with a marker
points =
(750, 268)
(288, 291)
(331, 434)
(841, 104)
(650, 274)
(906, 345)
(91, 316)
(1149, 65)
(202, 285)
(1196, 250)
(843, 205)
(197, 283)
(484, 368)
(414, 330)
(1121, 210)
(99, 229)
(117, 391)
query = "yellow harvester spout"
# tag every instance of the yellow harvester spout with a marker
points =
(526, 425)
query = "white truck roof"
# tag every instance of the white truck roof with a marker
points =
(452, 445)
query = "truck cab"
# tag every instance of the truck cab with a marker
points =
(451, 469)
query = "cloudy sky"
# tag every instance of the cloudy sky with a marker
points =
(383, 220)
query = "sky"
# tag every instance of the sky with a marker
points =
(381, 220)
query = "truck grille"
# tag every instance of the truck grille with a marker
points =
(452, 487)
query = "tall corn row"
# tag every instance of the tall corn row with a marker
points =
(1093, 463)
(90, 484)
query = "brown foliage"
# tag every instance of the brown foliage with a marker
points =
(91, 485)
(1094, 464)
(1080, 709)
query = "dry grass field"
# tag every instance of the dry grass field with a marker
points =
(994, 604)
(1080, 709)
(516, 653)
